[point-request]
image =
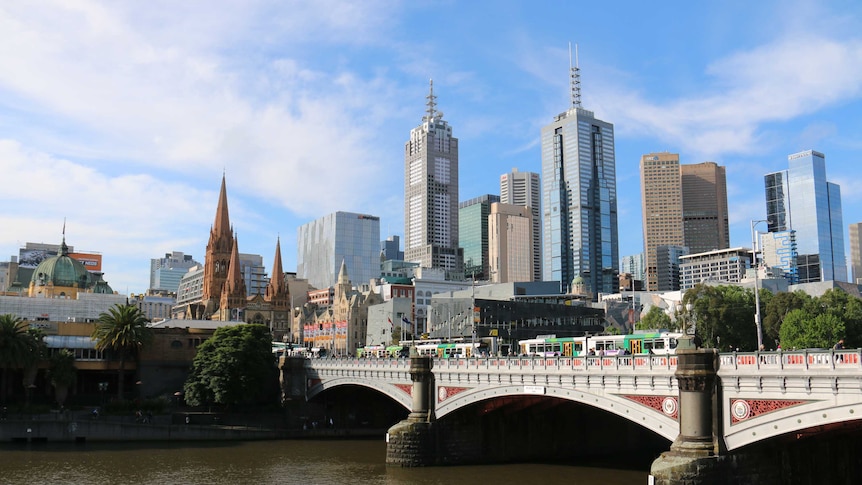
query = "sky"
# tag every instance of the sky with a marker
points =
(121, 117)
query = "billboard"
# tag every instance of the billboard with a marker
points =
(93, 262)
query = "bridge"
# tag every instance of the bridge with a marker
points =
(763, 394)
(756, 396)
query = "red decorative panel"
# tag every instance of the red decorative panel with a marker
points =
(444, 393)
(741, 409)
(408, 388)
(667, 405)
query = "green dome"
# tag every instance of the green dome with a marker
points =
(61, 270)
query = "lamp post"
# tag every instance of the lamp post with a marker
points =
(757, 322)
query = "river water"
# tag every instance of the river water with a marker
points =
(267, 462)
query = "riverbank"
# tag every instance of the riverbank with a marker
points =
(198, 427)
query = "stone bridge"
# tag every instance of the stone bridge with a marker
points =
(722, 402)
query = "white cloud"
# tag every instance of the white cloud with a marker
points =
(745, 91)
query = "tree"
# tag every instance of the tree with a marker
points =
(234, 367)
(801, 330)
(63, 374)
(725, 312)
(123, 331)
(656, 319)
(846, 308)
(19, 348)
(775, 308)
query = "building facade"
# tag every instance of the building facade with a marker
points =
(778, 250)
(856, 253)
(473, 234)
(661, 199)
(704, 207)
(166, 273)
(634, 265)
(347, 237)
(510, 243)
(721, 265)
(800, 198)
(579, 198)
(431, 194)
(390, 249)
(525, 189)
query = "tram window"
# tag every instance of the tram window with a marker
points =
(659, 344)
(648, 344)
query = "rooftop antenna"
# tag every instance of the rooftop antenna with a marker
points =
(575, 75)
(432, 105)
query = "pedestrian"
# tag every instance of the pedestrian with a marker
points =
(839, 345)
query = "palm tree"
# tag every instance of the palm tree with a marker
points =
(63, 374)
(17, 348)
(123, 331)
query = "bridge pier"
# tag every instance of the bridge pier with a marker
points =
(413, 441)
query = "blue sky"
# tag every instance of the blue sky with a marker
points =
(120, 117)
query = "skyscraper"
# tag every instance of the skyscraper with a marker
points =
(579, 198)
(661, 199)
(704, 207)
(524, 189)
(856, 252)
(431, 194)
(473, 234)
(322, 246)
(510, 243)
(801, 199)
(685, 208)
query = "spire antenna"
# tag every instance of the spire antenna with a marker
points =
(432, 105)
(575, 78)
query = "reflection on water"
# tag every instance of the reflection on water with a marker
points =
(266, 462)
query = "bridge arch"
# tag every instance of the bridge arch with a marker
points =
(661, 424)
(388, 389)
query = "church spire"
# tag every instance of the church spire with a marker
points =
(342, 274)
(276, 284)
(221, 226)
(233, 296)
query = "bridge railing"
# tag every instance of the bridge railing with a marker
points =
(578, 364)
(795, 360)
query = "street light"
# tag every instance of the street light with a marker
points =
(757, 322)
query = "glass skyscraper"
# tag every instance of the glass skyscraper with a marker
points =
(341, 236)
(801, 199)
(579, 199)
(473, 234)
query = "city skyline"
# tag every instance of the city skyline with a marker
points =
(138, 111)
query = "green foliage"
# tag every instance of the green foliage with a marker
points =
(20, 348)
(655, 319)
(776, 307)
(234, 367)
(123, 331)
(62, 373)
(801, 330)
(723, 312)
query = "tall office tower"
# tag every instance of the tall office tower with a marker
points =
(524, 189)
(661, 199)
(704, 207)
(473, 234)
(668, 263)
(390, 249)
(800, 198)
(579, 199)
(431, 194)
(510, 243)
(166, 273)
(856, 252)
(341, 236)
(253, 273)
(634, 265)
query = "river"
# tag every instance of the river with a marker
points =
(266, 462)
